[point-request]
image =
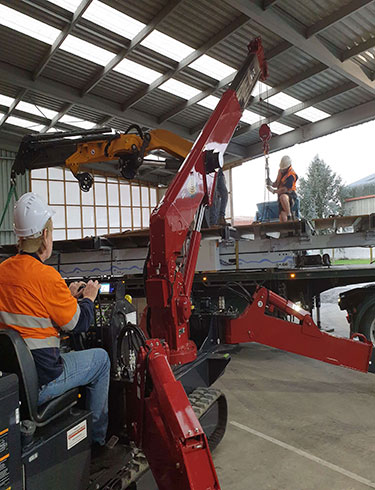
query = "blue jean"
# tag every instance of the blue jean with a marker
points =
(88, 368)
(220, 199)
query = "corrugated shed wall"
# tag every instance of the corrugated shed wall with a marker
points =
(360, 206)
(6, 162)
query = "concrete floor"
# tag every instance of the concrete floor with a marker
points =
(304, 425)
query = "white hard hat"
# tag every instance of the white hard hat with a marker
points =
(285, 162)
(31, 214)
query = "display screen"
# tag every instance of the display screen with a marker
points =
(105, 288)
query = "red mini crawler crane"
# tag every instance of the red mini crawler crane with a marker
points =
(160, 418)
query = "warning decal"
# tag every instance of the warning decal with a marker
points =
(76, 434)
(4, 460)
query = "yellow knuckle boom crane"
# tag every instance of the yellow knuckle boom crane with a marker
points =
(75, 149)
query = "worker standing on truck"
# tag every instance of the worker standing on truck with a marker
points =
(285, 188)
(36, 302)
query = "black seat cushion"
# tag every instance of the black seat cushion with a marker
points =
(16, 357)
(60, 404)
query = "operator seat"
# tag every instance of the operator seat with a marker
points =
(16, 357)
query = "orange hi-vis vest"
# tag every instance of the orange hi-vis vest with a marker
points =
(281, 179)
(35, 301)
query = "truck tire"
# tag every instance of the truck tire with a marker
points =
(367, 324)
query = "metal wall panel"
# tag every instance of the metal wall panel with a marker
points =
(360, 206)
(6, 161)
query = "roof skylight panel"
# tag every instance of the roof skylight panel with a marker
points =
(137, 71)
(86, 50)
(70, 5)
(27, 25)
(283, 101)
(210, 102)
(312, 114)
(166, 45)
(156, 158)
(178, 88)
(35, 109)
(260, 87)
(113, 20)
(279, 128)
(250, 117)
(24, 123)
(211, 67)
(5, 100)
(75, 121)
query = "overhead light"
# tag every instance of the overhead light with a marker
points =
(362, 57)
(370, 54)
(312, 114)
(180, 89)
(35, 109)
(166, 45)
(210, 102)
(70, 5)
(250, 117)
(27, 25)
(112, 19)
(211, 67)
(283, 101)
(158, 158)
(75, 121)
(279, 128)
(5, 100)
(24, 123)
(137, 71)
(86, 50)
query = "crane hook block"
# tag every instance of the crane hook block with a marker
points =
(265, 133)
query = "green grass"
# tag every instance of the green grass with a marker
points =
(351, 261)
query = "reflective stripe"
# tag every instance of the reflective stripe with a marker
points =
(24, 320)
(34, 333)
(42, 343)
(73, 322)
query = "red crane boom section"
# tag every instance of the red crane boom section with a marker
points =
(168, 285)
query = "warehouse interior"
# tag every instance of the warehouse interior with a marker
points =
(94, 67)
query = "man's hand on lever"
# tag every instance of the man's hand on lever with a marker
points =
(76, 288)
(91, 290)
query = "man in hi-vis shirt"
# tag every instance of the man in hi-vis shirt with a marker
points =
(36, 302)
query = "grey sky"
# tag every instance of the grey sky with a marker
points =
(350, 153)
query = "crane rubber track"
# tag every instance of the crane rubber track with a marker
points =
(202, 400)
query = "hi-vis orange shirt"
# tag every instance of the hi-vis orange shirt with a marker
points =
(35, 301)
(285, 177)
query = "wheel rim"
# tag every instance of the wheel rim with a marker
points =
(372, 332)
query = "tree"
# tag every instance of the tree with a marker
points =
(322, 192)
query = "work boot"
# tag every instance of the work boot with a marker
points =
(222, 221)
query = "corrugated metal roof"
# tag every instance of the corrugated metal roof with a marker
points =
(117, 87)
(344, 101)
(79, 71)
(158, 102)
(311, 11)
(20, 50)
(352, 30)
(195, 24)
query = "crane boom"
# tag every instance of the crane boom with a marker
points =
(76, 148)
(168, 286)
